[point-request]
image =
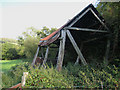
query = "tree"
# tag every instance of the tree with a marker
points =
(31, 38)
(110, 11)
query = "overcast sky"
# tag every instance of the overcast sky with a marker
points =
(16, 16)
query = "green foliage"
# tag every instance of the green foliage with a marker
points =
(8, 51)
(110, 11)
(7, 81)
(30, 45)
(12, 51)
(95, 77)
(31, 38)
(48, 78)
(14, 75)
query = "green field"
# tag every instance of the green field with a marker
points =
(7, 64)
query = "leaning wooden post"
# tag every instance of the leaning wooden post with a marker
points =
(76, 48)
(61, 50)
(35, 56)
(24, 78)
(77, 60)
(46, 56)
(107, 52)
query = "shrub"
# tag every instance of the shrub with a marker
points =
(92, 77)
(48, 78)
(11, 51)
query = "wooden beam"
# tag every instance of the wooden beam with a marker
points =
(86, 29)
(46, 56)
(79, 17)
(61, 50)
(77, 60)
(35, 56)
(99, 19)
(76, 48)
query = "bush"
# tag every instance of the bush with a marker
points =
(48, 78)
(30, 45)
(92, 77)
(11, 51)
(14, 76)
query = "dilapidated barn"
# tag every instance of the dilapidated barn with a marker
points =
(86, 27)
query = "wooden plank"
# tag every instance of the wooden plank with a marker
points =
(35, 56)
(46, 56)
(86, 29)
(15, 86)
(76, 48)
(61, 50)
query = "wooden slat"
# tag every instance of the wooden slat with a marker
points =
(86, 29)
(46, 56)
(61, 50)
(76, 48)
(35, 56)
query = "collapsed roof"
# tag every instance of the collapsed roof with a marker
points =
(88, 18)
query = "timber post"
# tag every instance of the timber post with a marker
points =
(35, 56)
(61, 50)
(76, 48)
(24, 78)
(46, 56)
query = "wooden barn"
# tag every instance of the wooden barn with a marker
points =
(88, 26)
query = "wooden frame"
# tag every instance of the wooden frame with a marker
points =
(61, 50)
(76, 48)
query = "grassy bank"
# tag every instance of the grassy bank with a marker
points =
(7, 64)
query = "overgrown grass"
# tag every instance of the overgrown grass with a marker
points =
(7, 64)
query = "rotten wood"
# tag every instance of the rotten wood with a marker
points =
(61, 50)
(76, 48)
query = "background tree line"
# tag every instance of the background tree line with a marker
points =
(26, 45)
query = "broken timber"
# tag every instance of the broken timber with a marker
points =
(76, 48)
(61, 50)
